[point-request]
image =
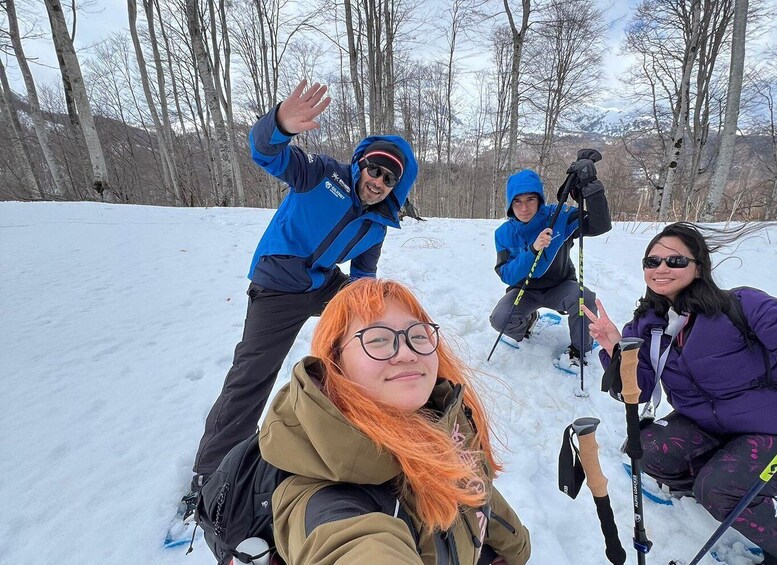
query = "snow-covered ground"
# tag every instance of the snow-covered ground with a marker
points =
(118, 326)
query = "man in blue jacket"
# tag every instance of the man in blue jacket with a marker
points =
(334, 212)
(554, 282)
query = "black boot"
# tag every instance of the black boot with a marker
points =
(532, 321)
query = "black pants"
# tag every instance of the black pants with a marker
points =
(272, 323)
(719, 470)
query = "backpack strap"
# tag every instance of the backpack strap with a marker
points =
(736, 315)
(348, 500)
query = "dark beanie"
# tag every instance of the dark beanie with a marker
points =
(386, 155)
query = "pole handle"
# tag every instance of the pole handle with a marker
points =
(589, 457)
(629, 360)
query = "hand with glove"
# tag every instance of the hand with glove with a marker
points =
(586, 182)
(584, 173)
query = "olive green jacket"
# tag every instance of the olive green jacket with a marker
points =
(305, 434)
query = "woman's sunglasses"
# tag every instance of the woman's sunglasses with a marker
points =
(673, 262)
(375, 171)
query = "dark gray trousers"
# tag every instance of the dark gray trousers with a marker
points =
(719, 470)
(272, 323)
(563, 297)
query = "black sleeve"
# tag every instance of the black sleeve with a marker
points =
(338, 502)
(596, 220)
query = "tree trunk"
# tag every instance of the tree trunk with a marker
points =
(387, 74)
(518, 37)
(675, 148)
(67, 54)
(163, 139)
(728, 138)
(20, 153)
(225, 90)
(38, 122)
(224, 172)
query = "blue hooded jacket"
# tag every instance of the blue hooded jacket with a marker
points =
(321, 221)
(514, 238)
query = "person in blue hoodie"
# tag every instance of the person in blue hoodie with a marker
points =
(334, 212)
(554, 282)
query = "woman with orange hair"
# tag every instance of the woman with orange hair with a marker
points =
(384, 408)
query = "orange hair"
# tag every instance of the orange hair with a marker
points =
(434, 469)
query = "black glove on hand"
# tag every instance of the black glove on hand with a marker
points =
(584, 172)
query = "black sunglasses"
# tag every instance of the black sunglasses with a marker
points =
(673, 262)
(375, 171)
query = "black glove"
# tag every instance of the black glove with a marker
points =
(585, 171)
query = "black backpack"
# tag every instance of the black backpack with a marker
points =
(235, 503)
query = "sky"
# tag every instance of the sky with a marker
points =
(118, 327)
(104, 17)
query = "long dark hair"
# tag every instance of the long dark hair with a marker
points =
(703, 295)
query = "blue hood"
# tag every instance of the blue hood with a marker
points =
(523, 182)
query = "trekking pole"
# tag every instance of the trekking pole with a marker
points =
(581, 298)
(585, 428)
(766, 475)
(594, 156)
(629, 349)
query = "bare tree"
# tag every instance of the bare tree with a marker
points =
(164, 132)
(566, 49)
(502, 51)
(728, 138)
(66, 55)
(36, 114)
(681, 121)
(225, 182)
(518, 38)
(353, 60)
(21, 155)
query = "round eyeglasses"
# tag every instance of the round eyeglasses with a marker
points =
(382, 343)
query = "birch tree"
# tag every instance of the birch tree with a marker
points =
(163, 129)
(733, 94)
(68, 60)
(518, 38)
(681, 120)
(20, 154)
(225, 181)
(38, 123)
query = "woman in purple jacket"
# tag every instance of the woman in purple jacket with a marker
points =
(723, 430)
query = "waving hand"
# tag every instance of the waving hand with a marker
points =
(298, 112)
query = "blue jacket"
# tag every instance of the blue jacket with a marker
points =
(321, 222)
(711, 380)
(514, 238)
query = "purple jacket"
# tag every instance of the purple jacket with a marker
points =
(711, 380)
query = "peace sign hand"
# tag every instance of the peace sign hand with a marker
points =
(602, 329)
(298, 112)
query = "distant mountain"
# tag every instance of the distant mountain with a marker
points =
(611, 121)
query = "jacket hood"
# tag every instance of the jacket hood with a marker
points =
(523, 182)
(396, 198)
(305, 434)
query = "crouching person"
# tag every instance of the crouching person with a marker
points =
(383, 409)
